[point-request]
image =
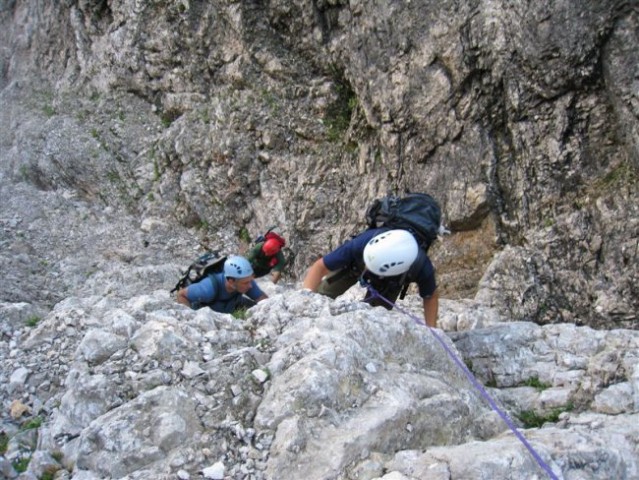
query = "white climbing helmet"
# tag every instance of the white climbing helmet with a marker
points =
(390, 253)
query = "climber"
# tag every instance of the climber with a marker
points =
(386, 260)
(225, 292)
(267, 257)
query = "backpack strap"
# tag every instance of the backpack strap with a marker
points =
(413, 272)
(404, 290)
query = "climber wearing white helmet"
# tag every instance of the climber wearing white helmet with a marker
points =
(387, 260)
(224, 292)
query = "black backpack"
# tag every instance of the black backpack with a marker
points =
(206, 264)
(419, 213)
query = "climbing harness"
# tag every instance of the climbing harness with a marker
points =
(504, 416)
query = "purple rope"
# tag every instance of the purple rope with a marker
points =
(504, 416)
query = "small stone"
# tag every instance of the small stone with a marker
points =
(17, 409)
(192, 370)
(236, 390)
(18, 378)
(260, 375)
(215, 471)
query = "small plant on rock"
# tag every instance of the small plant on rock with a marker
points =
(240, 313)
(49, 473)
(48, 110)
(4, 442)
(469, 364)
(20, 465)
(245, 236)
(168, 117)
(532, 419)
(338, 114)
(536, 383)
(32, 321)
(32, 423)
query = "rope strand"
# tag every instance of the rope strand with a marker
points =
(504, 416)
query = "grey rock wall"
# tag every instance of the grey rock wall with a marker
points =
(236, 116)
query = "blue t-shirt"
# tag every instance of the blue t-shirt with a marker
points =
(211, 291)
(352, 252)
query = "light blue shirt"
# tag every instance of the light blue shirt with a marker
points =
(211, 292)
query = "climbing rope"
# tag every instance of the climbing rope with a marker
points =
(504, 416)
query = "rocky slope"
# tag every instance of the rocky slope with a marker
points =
(119, 381)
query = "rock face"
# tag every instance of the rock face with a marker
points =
(134, 135)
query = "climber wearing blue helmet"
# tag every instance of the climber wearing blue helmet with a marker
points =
(224, 292)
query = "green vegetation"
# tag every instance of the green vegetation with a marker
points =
(469, 364)
(378, 158)
(491, 383)
(156, 170)
(263, 344)
(543, 309)
(270, 99)
(338, 114)
(113, 176)
(49, 473)
(4, 442)
(620, 175)
(245, 236)
(351, 147)
(240, 313)
(205, 116)
(32, 423)
(531, 419)
(24, 171)
(82, 115)
(536, 383)
(32, 321)
(168, 117)
(20, 465)
(48, 110)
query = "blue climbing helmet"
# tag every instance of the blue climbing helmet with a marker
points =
(237, 267)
